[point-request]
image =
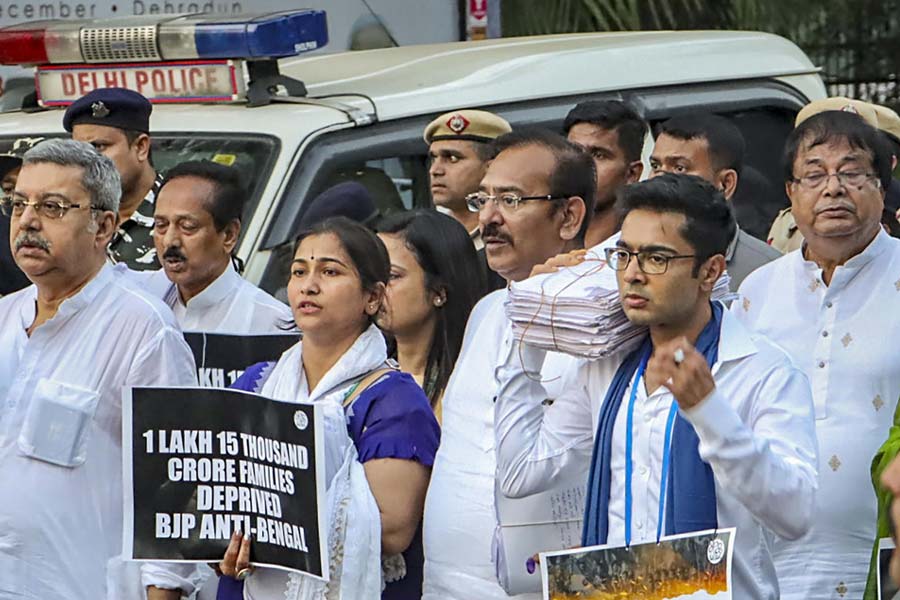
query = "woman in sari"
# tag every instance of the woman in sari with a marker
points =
(380, 441)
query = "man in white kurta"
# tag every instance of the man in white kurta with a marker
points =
(69, 345)
(832, 306)
(460, 513)
(196, 228)
(754, 427)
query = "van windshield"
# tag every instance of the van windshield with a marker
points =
(252, 154)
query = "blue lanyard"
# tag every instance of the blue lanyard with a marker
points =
(629, 442)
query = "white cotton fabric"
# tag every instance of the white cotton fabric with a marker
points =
(846, 338)
(460, 513)
(354, 522)
(229, 305)
(755, 429)
(61, 522)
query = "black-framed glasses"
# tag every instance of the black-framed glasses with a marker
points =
(817, 179)
(651, 263)
(506, 201)
(51, 209)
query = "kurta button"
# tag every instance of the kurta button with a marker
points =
(828, 305)
(824, 334)
(821, 364)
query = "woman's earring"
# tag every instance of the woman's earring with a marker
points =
(438, 301)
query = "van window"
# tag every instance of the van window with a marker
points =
(253, 155)
(394, 153)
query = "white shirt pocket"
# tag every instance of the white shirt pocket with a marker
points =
(58, 423)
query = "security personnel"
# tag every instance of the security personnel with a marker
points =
(116, 122)
(459, 149)
(11, 277)
(784, 234)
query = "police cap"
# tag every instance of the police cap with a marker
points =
(472, 125)
(112, 107)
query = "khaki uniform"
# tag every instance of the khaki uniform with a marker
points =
(784, 235)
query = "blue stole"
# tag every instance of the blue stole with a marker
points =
(691, 493)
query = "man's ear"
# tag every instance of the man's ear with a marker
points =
(232, 231)
(142, 147)
(710, 271)
(106, 222)
(634, 172)
(573, 212)
(727, 182)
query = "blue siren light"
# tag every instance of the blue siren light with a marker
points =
(269, 36)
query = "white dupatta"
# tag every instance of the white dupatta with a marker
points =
(354, 521)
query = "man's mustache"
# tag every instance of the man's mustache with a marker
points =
(175, 253)
(27, 238)
(492, 230)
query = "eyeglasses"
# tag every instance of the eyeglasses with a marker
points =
(506, 201)
(651, 263)
(50, 209)
(813, 181)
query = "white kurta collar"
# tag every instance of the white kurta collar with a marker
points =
(222, 287)
(71, 305)
(876, 248)
(735, 340)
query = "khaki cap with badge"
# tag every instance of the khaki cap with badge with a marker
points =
(784, 234)
(471, 125)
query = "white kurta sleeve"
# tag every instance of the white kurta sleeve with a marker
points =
(536, 446)
(769, 465)
(166, 361)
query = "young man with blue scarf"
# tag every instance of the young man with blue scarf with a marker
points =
(703, 425)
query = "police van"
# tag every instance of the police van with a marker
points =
(235, 90)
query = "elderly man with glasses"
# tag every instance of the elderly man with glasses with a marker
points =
(832, 306)
(704, 425)
(69, 345)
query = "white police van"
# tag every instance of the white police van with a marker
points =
(233, 90)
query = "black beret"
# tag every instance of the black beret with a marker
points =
(349, 199)
(113, 107)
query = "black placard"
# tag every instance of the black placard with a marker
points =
(222, 358)
(201, 463)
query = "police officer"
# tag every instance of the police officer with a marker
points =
(459, 149)
(116, 122)
(11, 277)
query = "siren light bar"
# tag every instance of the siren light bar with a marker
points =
(182, 37)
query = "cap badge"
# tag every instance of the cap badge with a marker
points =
(457, 124)
(850, 109)
(99, 110)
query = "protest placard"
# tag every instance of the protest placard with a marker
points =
(201, 463)
(221, 358)
(694, 566)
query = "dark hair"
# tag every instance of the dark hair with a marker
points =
(366, 252)
(131, 135)
(709, 225)
(574, 173)
(485, 151)
(724, 140)
(614, 115)
(445, 253)
(834, 126)
(227, 202)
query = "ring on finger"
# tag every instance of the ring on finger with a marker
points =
(679, 356)
(243, 573)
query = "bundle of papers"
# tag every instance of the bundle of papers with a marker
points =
(576, 310)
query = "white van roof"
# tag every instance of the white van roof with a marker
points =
(431, 78)
(418, 80)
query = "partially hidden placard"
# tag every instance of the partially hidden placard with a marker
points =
(694, 566)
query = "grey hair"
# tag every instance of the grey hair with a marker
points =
(99, 175)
